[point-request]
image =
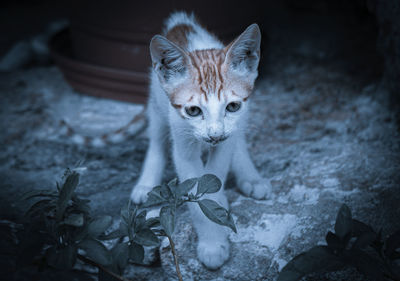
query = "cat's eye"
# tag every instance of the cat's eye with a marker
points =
(233, 106)
(193, 111)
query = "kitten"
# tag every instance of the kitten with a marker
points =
(199, 94)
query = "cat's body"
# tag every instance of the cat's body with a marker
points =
(199, 97)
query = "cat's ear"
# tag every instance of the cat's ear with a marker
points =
(243, 54)
(169, 60)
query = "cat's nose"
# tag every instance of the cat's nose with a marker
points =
(215, 130)
(216, 139)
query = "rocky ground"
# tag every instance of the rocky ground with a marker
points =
(320, 129)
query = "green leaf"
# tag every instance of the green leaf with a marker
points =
(392, 244)
(154, 197)
(128, 213)
(112, 235)
(120, 253)
(146, 237)
(334, 241)
(123, 228)
(172, 186)
(364, 240)
(96, 251)
(76, 199)
(208, 184)
(167, 190)
(99, 226)
(216, 213)
(81, 233)
(344, 222)
(38, 193)
(140, 221)
(80, 205)
(167, 219)
(186, 186)
(366, 264)
(40, 207)
(153, 222)
(317, 259)
(81, 208)
(359, 228)
(136, 252)
(76, 220)
(66, 192)
(61, 258)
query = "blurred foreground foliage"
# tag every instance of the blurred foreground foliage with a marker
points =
(59, 228)
(353, 244)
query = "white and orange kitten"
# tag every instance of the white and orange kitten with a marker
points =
(199, 96)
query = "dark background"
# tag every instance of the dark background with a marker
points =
(325, 125)
(364, 32)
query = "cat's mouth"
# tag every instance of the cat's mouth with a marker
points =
(215, 141)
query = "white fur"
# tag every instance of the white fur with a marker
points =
(187, 136)
(200, 39)
(177, 18)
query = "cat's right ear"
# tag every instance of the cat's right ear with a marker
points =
(169, 60)
(243, 54)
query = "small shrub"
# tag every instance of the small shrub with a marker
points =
(353, 244)
(61, 224)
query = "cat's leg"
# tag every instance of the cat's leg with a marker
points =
(186, 154)
(213, 243)
(155, 159)
(248, 179)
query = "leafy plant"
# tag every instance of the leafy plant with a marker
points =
(353, 244)
(173, 195)
(62, 227)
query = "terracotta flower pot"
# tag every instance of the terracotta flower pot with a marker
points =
(106, 52)
(95, 79)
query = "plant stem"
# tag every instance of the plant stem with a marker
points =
(100, 267)
(178, 271)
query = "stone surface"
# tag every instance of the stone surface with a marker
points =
(321, 131)
(322, 144)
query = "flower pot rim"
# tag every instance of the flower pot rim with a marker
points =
(97, 80)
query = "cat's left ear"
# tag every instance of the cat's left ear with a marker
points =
(243, 54)
(169, 60)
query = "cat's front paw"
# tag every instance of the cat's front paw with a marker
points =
(213, 254)
(258, 189)
(139, 193)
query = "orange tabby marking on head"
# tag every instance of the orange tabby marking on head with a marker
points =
(179, 34)
(207, 65)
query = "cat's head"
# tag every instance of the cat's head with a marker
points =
(209, 88)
